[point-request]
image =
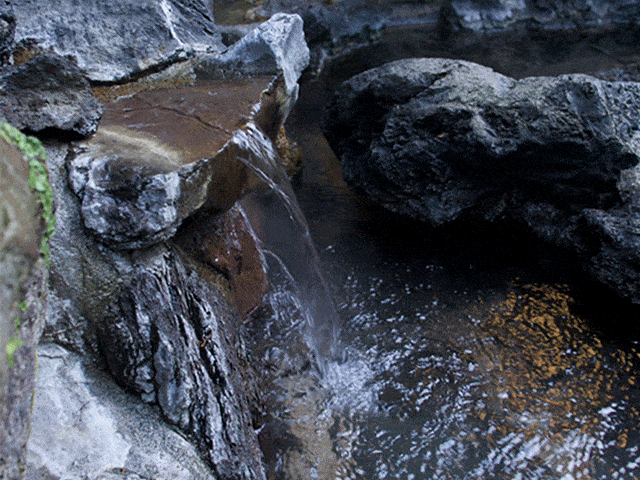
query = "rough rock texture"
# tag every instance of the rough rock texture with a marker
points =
(48, 93)
(482, 16)
(153, 263)
(275, 45)
(330, 28)
(438, 139)
(21, 280)
(193, 376)
(7, 31)
(161, 155)
(111, 433)
(113, 41)
(613, 239)
(226, 244)
(445, 140)
(162, 321)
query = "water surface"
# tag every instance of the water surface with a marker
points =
(471, 353)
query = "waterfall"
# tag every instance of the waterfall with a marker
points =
(281, 228)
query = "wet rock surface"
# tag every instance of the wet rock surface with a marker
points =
(153, 264)
(504, 15)
(160, 156)
(193, 376)
(114, 41)
(160, 323)
(49, 94)
(140, 296)
(446, 141)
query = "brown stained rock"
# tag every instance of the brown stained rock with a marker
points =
(161, 155)
(290, 152)
(20, 217)
(197, 120)
(226, 245)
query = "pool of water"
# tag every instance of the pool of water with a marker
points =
(467, 354)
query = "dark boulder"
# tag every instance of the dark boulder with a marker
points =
(439, 139)
(445, 141)
(49, 93)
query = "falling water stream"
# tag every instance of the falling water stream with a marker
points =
(466, 354)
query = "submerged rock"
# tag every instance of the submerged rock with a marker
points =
(445, 141)
(49, 93)
(115, 40)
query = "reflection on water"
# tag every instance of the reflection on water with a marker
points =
(486, 384)
(520, 388)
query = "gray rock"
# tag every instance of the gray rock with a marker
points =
(7, 31)
(275, 46)
(332, 28)
(440, 139)
(481, 16)
(107, 433)
(164, 325)
(194, 375)
(116, 40)
(49, 93)
(445, 141)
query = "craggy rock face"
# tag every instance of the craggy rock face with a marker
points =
(480, 16)
(444, 141)
(153, 264)
(49, 93)
(114, 41)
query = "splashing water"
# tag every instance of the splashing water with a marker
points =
(283, 234)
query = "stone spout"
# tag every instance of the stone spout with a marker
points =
(160, 156)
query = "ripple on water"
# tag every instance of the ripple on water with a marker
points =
(501, 384)
(526, 390)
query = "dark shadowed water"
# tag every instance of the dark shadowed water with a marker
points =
(469, 354)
